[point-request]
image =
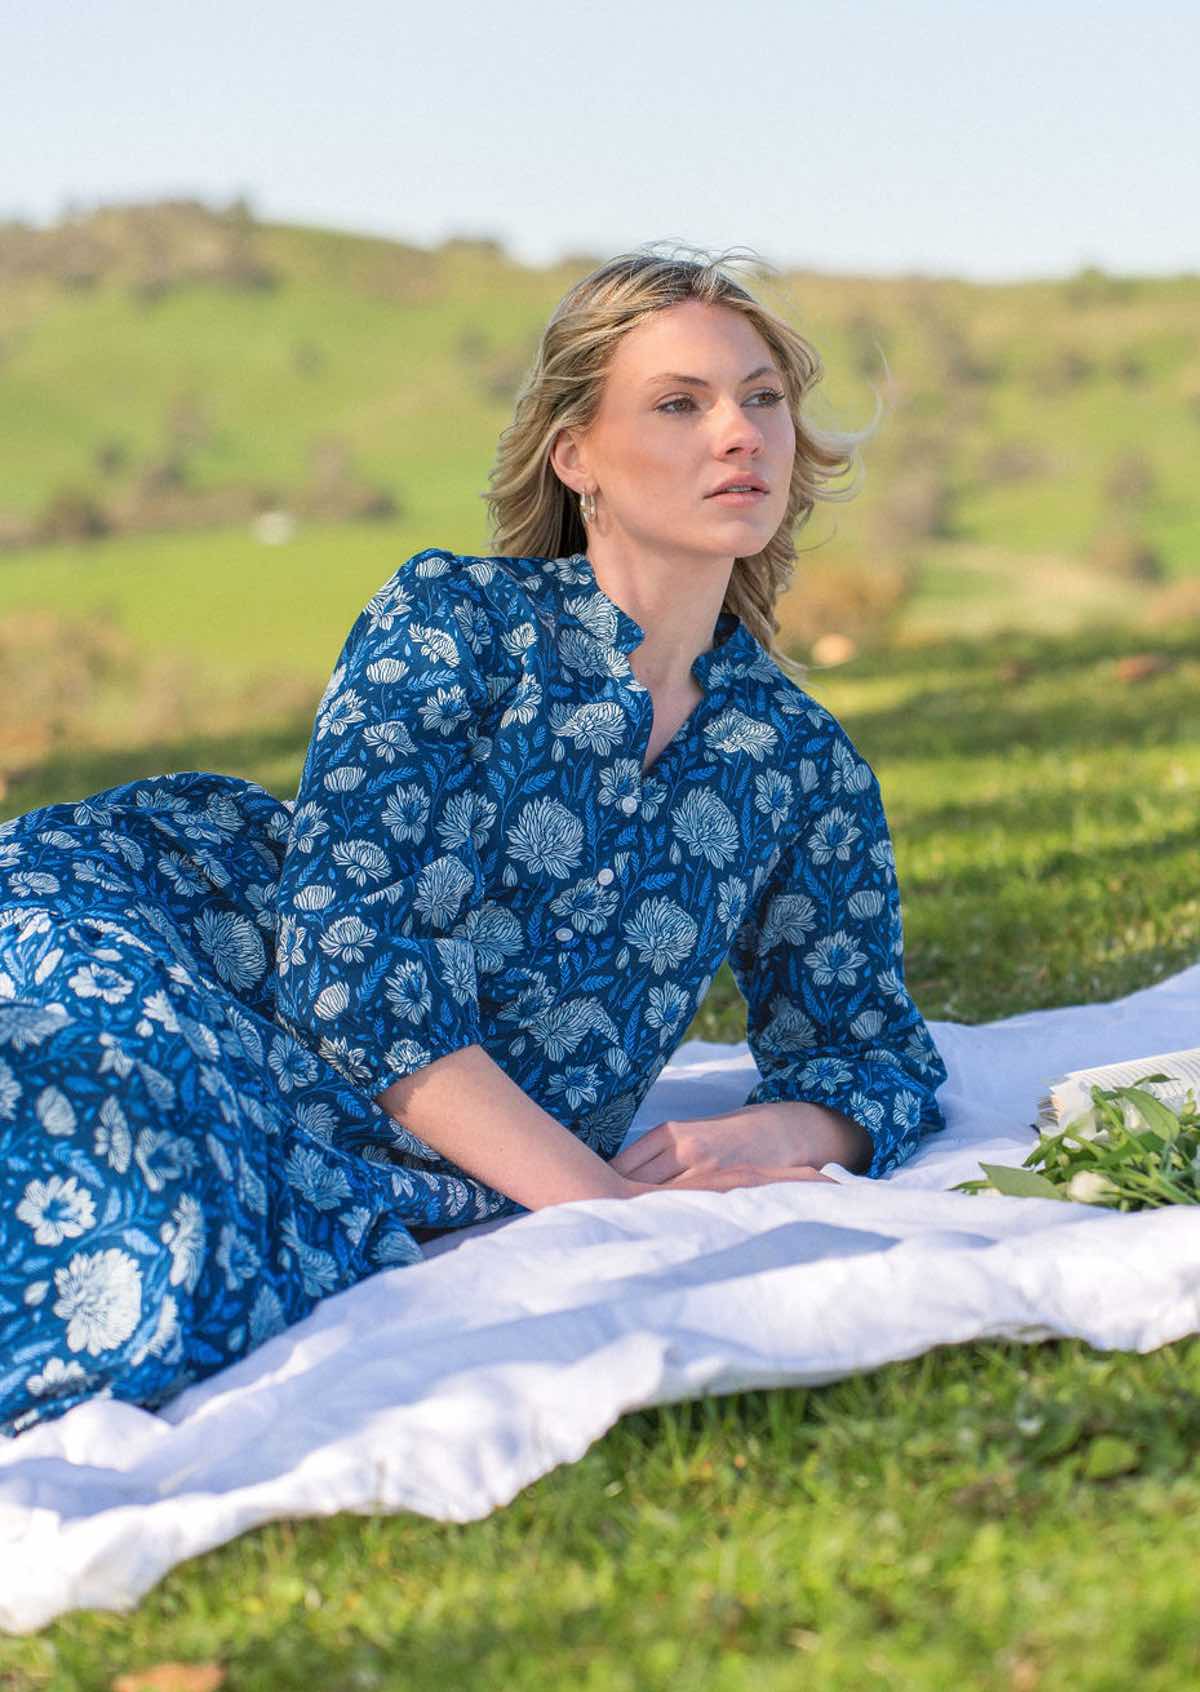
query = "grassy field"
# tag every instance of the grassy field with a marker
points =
(1001, 1517)
(997, 1517)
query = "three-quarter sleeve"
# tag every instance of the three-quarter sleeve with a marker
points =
(820, 963)
(382, 861)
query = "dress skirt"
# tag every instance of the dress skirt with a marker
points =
(180, 1179)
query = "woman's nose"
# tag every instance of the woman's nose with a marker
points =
(736, 429)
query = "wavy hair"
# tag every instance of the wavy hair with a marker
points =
(535, 515)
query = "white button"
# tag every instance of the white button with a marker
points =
(629, 804)
(604, 876)
(564, 934)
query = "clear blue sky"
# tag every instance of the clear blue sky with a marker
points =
(1009, 138)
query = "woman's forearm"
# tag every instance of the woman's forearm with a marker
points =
(467, 1108)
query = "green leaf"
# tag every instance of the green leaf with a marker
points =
(1154, 1113)
(1019, 1183)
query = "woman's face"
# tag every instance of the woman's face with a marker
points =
(659, 445)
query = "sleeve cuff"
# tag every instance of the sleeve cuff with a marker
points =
(897, 1113)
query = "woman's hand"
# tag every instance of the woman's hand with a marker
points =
(712, 1178)
(783, 1136)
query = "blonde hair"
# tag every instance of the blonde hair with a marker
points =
(535, 515)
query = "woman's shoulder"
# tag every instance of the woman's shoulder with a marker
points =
(438, 579)
(448, 617)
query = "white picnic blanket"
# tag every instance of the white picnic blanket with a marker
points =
(447, 1386)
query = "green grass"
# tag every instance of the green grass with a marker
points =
(997, 1516)
(1001, 1517)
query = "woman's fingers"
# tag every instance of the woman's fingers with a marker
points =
(664, 1167)
(717, 1180)
(634, 1158)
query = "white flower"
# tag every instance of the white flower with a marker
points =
(789, 919)
(599, 726)
(621, 785)
(406, 812)
(437, 644)
(94, 981)
(663, 933)
(55, 1111)
(441, 888)
(731, 905)
(340, 713)
(169, 1151)
(467, 820)
(1088, 1186)
(407, 990)
(848, 772)
(586, 904)
(57, 1210)
(99, 1298)
(577, 1084)
(706, 826)
(866, 903)
(385, 670)
(866, 1024)
(293, 1066)
(734, 731)
(494, 934)
(184, 1236)
(445, 709)
(289, 945)
(234, 945)
(825, 1073)
(667, 1007)
(331, 1001)
(347, 939)
(835, 958)
(546, 836)
(906, 1109)
(789, 1029)
(237, 1257)
(350, 1061)
(773, 795)
(56, 1378)
(307, 826)
(386, 739)
(322, 1185)
(362, 861)
(183, 874)
(524, 702)
(833, 836)
(112, 1138)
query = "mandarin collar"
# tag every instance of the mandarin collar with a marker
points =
(734, 648)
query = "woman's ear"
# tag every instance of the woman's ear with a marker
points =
(567, 461)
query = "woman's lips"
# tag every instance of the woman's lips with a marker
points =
(738, 498)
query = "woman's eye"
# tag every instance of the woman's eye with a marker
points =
(772, 396)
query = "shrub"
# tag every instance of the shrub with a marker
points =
(1122, 551)
(72, 513)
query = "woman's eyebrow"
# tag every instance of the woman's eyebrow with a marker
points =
(699, 382)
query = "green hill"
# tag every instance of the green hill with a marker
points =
(170, 373)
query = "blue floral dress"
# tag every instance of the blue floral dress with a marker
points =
(203, 988)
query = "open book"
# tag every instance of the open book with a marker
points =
(1070, 1096)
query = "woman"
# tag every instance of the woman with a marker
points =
(249, 1053)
